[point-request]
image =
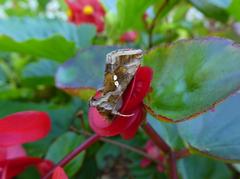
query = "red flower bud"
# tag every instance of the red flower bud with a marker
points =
(130, 36)
(59, 174)
(155, 153)
(86, 11)
(132, 104)
(145, 16)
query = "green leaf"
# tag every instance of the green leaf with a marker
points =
(89, 168)
(213, 8)
(237, 167)
(129, 16)
(65, 144)
(165, 8)
(234, 9)
(191, 76)
(198, 167)
(40, 72)
(167, 131)
(30, 172)
(106, 155)
(3, 77)
(42, 4)
(53, 39)
(85, 72)
(215, 133)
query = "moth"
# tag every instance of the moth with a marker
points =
(121, 66)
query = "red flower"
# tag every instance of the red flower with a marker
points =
(17, 129)
(130, 36)
(59, 174)
(132, 104)
(155, 153)
(87, 11)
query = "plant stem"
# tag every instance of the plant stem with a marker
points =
(165, 148)
(91, 140)
(119, 144)
(154, 21)
(172, 166)
(80, 116)
(182, 153)
(156, 138)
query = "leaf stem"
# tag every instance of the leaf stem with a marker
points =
(172, 166)
(172, 160)
(119, 144)
(91, 140)
(153, 24)
(182, 154)
(156, 138)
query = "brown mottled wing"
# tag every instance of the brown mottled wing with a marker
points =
(121, 66)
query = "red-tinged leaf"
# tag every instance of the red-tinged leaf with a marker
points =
(59, 174)
(18, 165)
(215, 133)
(191, 77)
(23, 127)
(83, 74)
(12, 152)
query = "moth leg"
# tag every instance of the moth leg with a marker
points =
(120, 114)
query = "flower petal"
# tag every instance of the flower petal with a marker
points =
(3, 172)
(132, 104)
(105, 128)
(18, 165)
(77, 15)
(138, 89)
(130, 132)
(12, 152)
(23, 127)
(59, 174)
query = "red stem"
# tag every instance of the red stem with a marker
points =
(91, 140)
(172, 166)
(172, 160)
(156, 138)
(182, 154)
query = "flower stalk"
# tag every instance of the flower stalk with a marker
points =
(165, 148)
(172, 162)
(156, 138)
(90, 141)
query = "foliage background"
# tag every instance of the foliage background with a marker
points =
(38, 40)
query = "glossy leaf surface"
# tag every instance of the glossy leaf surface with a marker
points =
(191, 76)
